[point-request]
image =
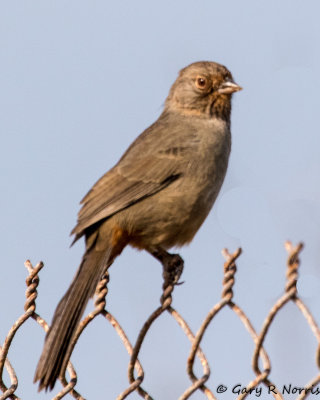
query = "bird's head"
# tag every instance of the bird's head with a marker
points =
(203, 88)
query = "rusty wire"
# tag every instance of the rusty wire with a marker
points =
(171, 276)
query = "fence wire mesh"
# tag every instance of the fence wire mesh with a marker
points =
(135, 369)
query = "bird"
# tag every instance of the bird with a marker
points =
(156, 197)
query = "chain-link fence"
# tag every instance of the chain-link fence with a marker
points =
(135, 369)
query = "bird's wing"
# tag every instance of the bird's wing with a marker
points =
(146, 168)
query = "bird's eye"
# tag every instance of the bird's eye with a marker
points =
(201, 82)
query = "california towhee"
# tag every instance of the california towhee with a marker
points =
(157, 195)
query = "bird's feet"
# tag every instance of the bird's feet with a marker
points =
(172, 266)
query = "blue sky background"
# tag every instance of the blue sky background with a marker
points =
(79, 81)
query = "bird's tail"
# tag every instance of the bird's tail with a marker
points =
(56, 349)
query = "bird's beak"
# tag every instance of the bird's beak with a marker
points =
(229, 87)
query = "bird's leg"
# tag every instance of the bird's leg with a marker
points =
(172, 265)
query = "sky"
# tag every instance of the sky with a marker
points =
(79, 81)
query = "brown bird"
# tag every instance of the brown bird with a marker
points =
(156, 197)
